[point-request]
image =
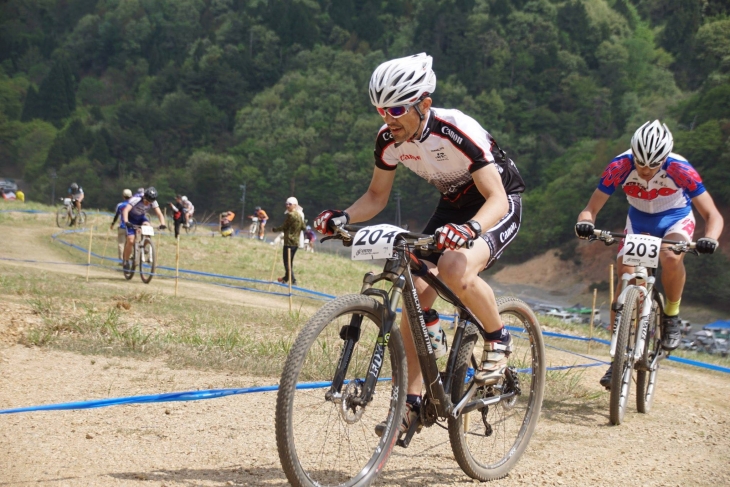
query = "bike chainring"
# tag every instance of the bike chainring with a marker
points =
(351, 412)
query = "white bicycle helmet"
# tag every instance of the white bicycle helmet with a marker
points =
(184, 199)
(402, 81)
(651, 144)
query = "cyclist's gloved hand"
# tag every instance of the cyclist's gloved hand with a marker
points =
(707, 245)
(328, 220)
(162, 227)
(584, 229)
(453, 236)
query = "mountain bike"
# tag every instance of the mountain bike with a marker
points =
(143, 254)
(68, 215)
(346, 372)
(253, 230)
(637, 331)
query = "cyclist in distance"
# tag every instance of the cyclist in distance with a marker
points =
(122, 230)
(188, 209)
(661, 187)
(263, 218)
(480, 199)
(76, 193)
(134, 215)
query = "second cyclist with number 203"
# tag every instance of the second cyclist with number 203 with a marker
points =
(480, 199)
(661, 187)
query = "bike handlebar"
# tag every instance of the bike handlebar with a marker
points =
(417, 239)
(609, 238)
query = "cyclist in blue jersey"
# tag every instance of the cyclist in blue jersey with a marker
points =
(661, 187)
(122, 230)
(134, 215)
(480, 200)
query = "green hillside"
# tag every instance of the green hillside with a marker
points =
(200, 96)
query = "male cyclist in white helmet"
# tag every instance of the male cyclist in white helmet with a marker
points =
(480, 199)
(661, 187)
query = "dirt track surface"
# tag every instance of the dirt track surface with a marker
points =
(683, 441)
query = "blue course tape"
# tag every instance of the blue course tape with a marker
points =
(718, 368)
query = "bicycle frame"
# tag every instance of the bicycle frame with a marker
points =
(399, 271)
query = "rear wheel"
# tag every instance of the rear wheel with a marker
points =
(623, 361)
(147, 260)
(325, 437)
(192, 226)
(488, 443)
(646, 379)
(80, 218)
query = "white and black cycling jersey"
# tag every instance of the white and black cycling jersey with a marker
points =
(452, 146)
(138, 208)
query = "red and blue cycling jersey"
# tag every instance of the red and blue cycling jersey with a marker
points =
(658, 205)
(670, 190)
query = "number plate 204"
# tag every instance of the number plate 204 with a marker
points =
(148, 230)
(642, 250)
(375, 242)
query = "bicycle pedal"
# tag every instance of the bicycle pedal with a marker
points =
(414, 428)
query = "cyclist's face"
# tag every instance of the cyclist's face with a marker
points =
(404, 127)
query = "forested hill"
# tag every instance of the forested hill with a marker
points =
(200, 96)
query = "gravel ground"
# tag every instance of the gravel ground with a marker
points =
(683, 441)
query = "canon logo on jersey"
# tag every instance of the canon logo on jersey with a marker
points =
(387, 136)
(507, 233)
(636, 191)
(409, 157)
(452, 135)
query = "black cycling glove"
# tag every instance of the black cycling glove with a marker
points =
(707, 245)
(584, 229)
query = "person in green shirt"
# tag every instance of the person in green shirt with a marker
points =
(293, 226)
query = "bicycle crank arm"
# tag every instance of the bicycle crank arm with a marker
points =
(414, 428)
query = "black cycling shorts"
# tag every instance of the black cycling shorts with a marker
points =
(498, 237)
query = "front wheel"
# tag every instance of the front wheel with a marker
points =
(325, 436)
(62, 217)
(129, 266)
(646, 379)
(192, 226)
(147, 260)
(488, 443)
(623, 361)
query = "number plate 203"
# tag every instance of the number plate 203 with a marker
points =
(642, 250)
(375, 242)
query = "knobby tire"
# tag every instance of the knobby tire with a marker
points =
(492, 457)
(147, 260)
(623, 361)
(646, 380)
(343, 453)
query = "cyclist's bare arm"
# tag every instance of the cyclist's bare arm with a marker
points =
(159, 214)
(375, 198)
(125, 214)
(713, 219)
(589, 213)
(490, 185)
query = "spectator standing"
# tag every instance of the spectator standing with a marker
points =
(178, 216)
(292, 228)
(122, 230)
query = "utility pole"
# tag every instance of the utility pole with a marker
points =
(53, 190)
(243, 204)
(397, 208)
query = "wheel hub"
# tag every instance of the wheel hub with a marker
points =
(350, 411)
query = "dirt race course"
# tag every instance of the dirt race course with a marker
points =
(685, 439)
